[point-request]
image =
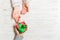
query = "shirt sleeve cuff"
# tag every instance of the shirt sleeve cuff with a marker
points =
(19, 37)
(17, 3)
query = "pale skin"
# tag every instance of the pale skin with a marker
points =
(16, 15)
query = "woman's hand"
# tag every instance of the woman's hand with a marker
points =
(16, 14)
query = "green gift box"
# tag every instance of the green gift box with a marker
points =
(21, 27)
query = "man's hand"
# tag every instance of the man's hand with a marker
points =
(24, 8)
(17, 33)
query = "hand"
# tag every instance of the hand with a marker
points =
(16, 14)
(17, 33)
(24, 8)
(16, 17)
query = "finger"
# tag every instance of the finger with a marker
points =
(25, 6)
(23, 11)
(16, 31)
(17, 19)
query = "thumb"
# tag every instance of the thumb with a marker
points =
(17, 19)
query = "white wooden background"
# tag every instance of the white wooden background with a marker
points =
(43, 20)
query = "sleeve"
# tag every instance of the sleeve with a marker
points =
(17, 3)
(19, 37)
(26, 1)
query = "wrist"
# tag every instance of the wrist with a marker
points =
(17, 8)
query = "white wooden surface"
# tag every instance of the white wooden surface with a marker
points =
(43, 20)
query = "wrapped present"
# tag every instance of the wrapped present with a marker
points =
(21, 27)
